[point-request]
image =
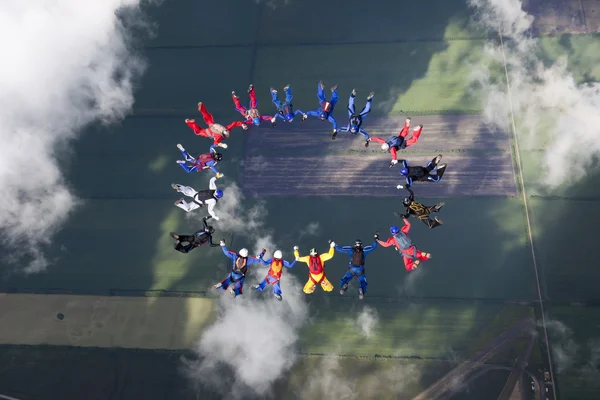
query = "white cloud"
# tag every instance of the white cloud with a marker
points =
(551, 109)
(367, 321)
(65, 64)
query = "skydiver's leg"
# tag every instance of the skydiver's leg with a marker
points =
(334, 96)
(185, 190)
(367, 109)
(409, 264)
(238, 287)
(238, 105)
(275, 98)
(363, 282)
(187, 207)
(377, 140)
(423, 256)
(262, 285)
(321, 92)
(252, 95)
(224, 284)
(277, 289)
(344, 281)
(208, 118)
(288, 94)
(326, 285)
(431, 165)
(440, 171)
(309, 287)
(351, 106)
(196, 128)
(437, 207)
(185, 167)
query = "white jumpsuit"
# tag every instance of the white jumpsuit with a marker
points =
(191, 192)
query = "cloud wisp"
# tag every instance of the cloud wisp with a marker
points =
(65, 66)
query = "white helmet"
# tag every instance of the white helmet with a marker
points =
(385, 147)
(278, 255)
(243, 252)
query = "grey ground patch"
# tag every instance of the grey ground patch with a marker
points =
(564, 16)
(301, 160)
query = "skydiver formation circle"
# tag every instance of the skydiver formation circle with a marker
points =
(241, 260)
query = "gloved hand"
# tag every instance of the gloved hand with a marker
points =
(222, 242)
(304, 117)
(207, 217)
(394, 162)
(245, 127)
(223, 145)
(376, 236)
(400, 187)
(295, 247)
(273, 121)
(297, 258)
(216, 218)
(331, 244)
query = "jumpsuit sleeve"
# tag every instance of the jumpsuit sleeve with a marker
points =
(361, 130)
(346, 250)
(287, 264)
(301, 259)
(377, 140)
(234, 124)
(252, 260)
(205, 224)
(228, 253)
(394, 153)
(333, 121)
(210, 240)
(268, 262)
(298, 112)
(266, 117)
(327, 256)
(212, 185)
(406, 227)
(387, 243)
(411, 195)
(404, 131)
(213, 148)
(211, 208)
(370, 248)
(404, 164)
(344, 128)
(281, 117)
(313, 113)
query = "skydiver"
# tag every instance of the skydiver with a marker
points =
(316, 269)
(202, 198)
(285, 111)
(276, 265)
(411, 255)
(325, 110)
(423, 174)
(355, 120)
(202, 162)
(215, 131)
(252, 115)
(421, 211)
(399, 142)
(197, 239)
(357, 254)
(240, 262)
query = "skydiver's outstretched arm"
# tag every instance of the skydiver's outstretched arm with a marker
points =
(252, 260)
(370, 248)
(204, 223)
(315, 113)
(414, 138)
(235, 124)
(364, 133)
(212, 185)
(210, 240)
(298, 112)
(229, 254)
(406, 227)
(377, 140)
(344, 128)
(287, 264)
(304, 259)
(346, 250)
(411, 195)
(390, 242)
(266, 263)
(333, 121)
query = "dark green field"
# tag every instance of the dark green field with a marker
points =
(479, 283)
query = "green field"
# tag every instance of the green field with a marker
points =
(416, 57)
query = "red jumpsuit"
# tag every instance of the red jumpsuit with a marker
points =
(411, 254)
(414, 138)
(251, 113)
(214, 131)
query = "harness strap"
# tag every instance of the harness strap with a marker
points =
(313, 279)
(362, 272)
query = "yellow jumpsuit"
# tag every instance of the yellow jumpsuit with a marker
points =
(310, 285)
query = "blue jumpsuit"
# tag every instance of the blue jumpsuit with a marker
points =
(355, 270)
(198, 163)
(236, 276)
(273, 277)
(325, 110)
(285, 111)
(355, 120)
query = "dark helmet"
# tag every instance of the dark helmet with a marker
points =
(218, 193)
(394, 230)
(404, 171)
(289, 117)
(256, 121)
(209, 229)
(354, 123)
(358, 244)
(218, 156)
(323, 115)
(407, 202)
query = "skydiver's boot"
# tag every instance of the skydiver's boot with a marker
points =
(322, 85)
(361, 295)
(286, 87)
(367, 142)
(250, 88)
(334, 134)
(334, 87)
(217, 285)
(343, 289)
(440, 171)
(438, 222)
(232, 291)
(371, 95)
(353, 94)
(256, 287)
(437, 207)
(278, 297)
(235, 95)
(174, 235)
